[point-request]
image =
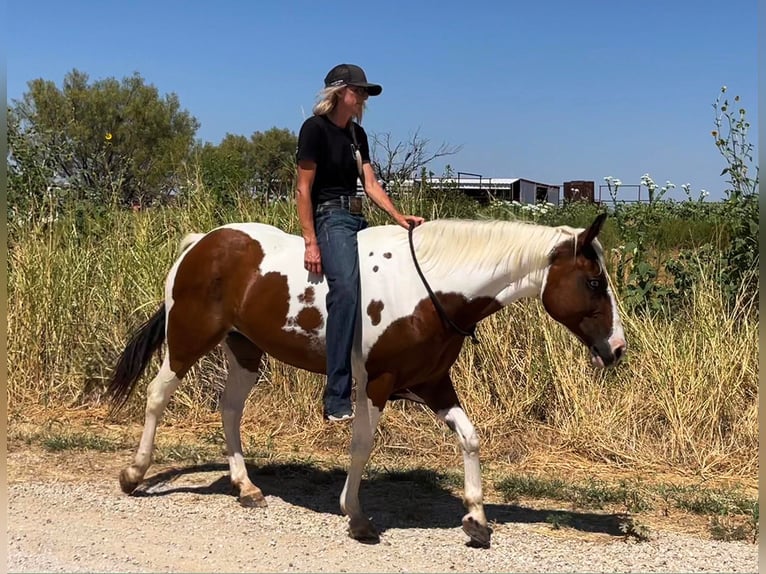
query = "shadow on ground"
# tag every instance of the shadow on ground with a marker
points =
(403, 499)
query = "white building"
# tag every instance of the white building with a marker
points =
(484, 189)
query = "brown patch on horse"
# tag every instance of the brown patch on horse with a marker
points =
(439, 395)
(373, 310)
(309, 319)
(379, 389)
(307, 297)
(587, 309)
(219, 286)
(424, 346)
(387, 255)
(375, 269)
(247, 354)
(211, 279)
(263, 315)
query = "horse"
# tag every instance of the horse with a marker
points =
(243, 286)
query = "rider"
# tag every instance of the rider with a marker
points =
(333, 153)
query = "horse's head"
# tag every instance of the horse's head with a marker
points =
(576, 293)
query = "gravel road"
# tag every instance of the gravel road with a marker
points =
(188, 521)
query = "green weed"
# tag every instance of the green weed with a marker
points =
(78, 441)
(631, 527)
(185, 452)
(559, 520)
(635, 497)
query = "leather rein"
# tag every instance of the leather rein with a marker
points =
(471, 332)
(439, 307)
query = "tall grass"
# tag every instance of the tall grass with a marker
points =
(685, 398)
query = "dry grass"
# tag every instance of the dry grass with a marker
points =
(686, 398)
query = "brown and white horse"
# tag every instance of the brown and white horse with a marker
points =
(244, 286)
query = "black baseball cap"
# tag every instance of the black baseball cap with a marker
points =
(350, 75)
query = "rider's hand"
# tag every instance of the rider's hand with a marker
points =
(312, 260)
(406, 220)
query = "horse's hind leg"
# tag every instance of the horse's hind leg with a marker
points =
(191, 333)
(158, 395)
(244, 364)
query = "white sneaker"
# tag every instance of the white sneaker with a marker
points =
(340, 417)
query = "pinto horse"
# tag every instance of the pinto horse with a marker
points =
(244, 286)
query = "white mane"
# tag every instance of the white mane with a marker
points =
(449, 244)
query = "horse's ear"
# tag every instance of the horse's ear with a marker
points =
(587, 236)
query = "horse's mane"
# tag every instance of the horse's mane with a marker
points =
(446, 244)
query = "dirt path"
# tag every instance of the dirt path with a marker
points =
(187, 520)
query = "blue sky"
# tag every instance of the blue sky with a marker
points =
(547, 90)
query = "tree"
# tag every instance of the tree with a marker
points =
(274, 152)
(263, 164)
(29, 171)
(396, 162)
(228, 169)
(102, 140)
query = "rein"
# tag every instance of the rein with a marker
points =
(439, 308)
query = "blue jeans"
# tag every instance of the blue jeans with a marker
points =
(336, 231)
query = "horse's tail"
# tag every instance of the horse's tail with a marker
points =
(137, 354)
(188, 241)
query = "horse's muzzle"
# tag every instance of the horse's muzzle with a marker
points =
(608, 354)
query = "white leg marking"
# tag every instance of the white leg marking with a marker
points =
(239, 383)
(365, 422)
(158, 395)
(457, 420)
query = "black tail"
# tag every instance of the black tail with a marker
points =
(145, 341)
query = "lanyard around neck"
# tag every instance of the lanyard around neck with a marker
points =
(357, 153)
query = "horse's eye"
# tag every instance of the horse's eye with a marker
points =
(594, 283)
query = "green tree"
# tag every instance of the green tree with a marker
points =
(228, 169)
(29, 171)
(263, 164)
(274, 153)
(105, 140)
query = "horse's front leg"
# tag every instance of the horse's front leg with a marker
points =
(363, 432)
(442, 399)
(475, 522)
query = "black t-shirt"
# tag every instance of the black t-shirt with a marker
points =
(330, 147)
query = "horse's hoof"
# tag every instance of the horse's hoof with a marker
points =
(363, 531)
(253, 501)
(479, 533)
(127, 484)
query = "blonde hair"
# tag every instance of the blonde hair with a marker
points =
(328, 99)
